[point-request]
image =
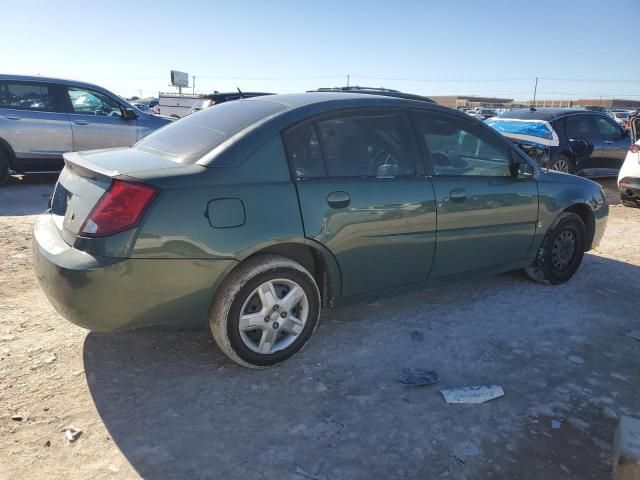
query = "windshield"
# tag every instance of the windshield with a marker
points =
(621, 114)
(189, 139)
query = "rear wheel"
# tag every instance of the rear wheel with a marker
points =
(562, 163)
(4, 167)
(265, 311)
(561, 252)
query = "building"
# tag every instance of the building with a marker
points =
(455, 101)
(583, 102)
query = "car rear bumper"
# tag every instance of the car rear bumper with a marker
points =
(630, 187)
(107, 294)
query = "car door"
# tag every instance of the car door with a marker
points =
(34, 124)
(97, 120)
(585, 140)
(615, 143)
(486, 216)
(362, 197)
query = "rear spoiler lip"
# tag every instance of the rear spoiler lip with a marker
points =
(75, 161)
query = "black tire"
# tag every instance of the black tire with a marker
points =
(238, 288)
(562, 163)
(629, 201)
(4, 167)
(555, 263)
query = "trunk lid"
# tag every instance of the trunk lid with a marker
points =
(87, 176)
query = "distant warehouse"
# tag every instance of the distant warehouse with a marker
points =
(455, 101)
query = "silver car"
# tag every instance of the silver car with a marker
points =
(42, 118)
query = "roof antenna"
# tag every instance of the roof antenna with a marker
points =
(240, 92)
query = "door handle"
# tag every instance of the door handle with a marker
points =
(12, 117)
(608, 142)
(81, 122)
(338, 199)
(458, 195)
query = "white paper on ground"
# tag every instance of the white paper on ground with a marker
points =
(472, 394)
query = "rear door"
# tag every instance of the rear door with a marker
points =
(33, 123)
(585, 139)
(615, 143)
(363, 196)
(97, 120)
(486, 216)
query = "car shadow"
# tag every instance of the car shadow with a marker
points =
(176, 407)
(27, 194)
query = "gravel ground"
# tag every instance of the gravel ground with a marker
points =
(170, 405)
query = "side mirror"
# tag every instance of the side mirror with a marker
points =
(129, 114)
(524, 170)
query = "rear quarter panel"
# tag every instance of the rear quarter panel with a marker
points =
(178, 227)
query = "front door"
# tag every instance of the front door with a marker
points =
(486, 216)
(362, 197)
(97, 121)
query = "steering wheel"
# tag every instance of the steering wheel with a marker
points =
(441, 159)
(382, 157)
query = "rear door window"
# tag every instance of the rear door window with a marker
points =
(580, 125)
(368, 144)
(27, 96)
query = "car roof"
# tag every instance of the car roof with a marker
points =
(545, 113)
(293, 100)
(375, 91)
(37, 78)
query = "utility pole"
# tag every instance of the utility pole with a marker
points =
(535, 91)
(347, 80)
(194, 83)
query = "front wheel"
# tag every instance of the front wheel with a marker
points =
(4, 168)
(265, 311)
(561, 252)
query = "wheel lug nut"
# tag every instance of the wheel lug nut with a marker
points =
(283, 314)
(275, 325)
(267, 318)
(276, 307)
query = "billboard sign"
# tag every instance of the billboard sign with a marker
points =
(179, 79)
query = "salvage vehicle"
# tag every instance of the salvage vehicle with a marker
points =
(41, 118)
(629, 177)
(579, 141)
(254, 215)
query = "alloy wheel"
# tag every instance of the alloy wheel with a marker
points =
(273, 316)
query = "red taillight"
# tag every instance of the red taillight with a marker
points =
(634, 148)
(119, 209)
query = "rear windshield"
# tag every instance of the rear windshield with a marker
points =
(189, 139)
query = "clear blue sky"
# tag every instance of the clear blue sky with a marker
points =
(577, 47)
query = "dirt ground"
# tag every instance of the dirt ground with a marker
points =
(171, 406)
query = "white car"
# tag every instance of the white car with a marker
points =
(629, 176)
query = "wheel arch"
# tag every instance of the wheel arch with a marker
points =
(6, 148)
(585, 212)
(316, 258)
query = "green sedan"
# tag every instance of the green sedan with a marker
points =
(253, 215)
